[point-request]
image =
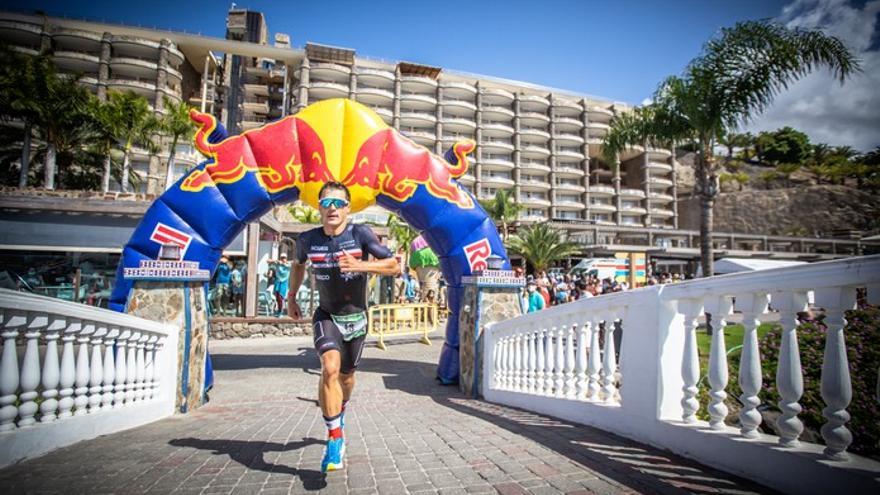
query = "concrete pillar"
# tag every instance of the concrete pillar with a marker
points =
(585, 134)
(104, 66)
(395, 119)
(552, 145)
(285, 92)
(46, 38)
(302, 99)
(646, 186)
(161, 76)
(517, 154)
(616, 182)
(205, 83)
(674, 189)
(438, 129)
(253, 277)
(478, 170)
(352, 84)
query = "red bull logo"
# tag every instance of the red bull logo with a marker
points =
(291, 153)
(477, 253)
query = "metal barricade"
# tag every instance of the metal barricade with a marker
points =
(403, 319)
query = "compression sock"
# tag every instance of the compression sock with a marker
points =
(334, 426)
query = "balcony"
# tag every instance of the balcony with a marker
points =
(458, 89)
(536, 103)
(601, 190)
(568, 124)
(77, 40)
(494, 144)
(569, 205)
(497, 181)
(258, 107)
(378, 77)
(565, 138)
(602, 207)
(531, 151)
(534, 185)
(563, 171)
(658, 154)
(659, 167)
(386, 114)
(69, 61)
(562, 186)
(532, 132)
(322, 90)
(418, 84)
(329, 71)
(495, 129)
(21, 34)
(534, 118)
(423, 137)
(628, 193)
(497, 164)
(143, 88)
(417, 118)
(661, 212)
(597, 130)
(570, 154)
(256, 90)
(534, 201)
(632, 210)
(496, 96)
(374, 96)
(497, 112)
(659, 182)
(566, 104)
(467, 179)
(661, 198)
(599, 114)
(459, 104)
(418, 101)
(135, 47)
(534, 166)
(458, 124)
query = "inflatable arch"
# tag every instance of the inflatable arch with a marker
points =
(246, 175)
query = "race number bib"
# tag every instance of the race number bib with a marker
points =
(351, 326)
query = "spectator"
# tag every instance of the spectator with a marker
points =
(412, 287)
(236, 278)
(221, 285)
(282, 279)
(536, 301)
(561, 293)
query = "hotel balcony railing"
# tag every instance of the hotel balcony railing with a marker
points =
(79, 372)
(555, 362)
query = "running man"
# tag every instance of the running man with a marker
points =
(340, 256)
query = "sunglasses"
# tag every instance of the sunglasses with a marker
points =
(334, 202)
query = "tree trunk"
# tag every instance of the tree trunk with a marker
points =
(49, 172)
(25, 156)
(504, 230)
(169, 171)
(706, 257)
(125, 169)
(105, 178)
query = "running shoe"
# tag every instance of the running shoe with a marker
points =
(333, 455)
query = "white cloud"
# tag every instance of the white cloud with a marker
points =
(827, 111)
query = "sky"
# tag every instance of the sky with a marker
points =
(617, 50)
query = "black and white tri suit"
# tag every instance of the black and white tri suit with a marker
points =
(337, 323)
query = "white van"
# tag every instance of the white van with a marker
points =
(600, 268)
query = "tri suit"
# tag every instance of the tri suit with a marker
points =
(340, 321)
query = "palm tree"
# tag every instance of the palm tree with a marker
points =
(502, 208)
(134, 126)
(736, 77)
(177, 125)
(541, 245)
(304, 213)
(63, 118)
(401, 232)
(18, 75)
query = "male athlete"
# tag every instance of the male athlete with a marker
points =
(339, 253)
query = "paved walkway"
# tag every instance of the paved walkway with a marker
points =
(262, 433)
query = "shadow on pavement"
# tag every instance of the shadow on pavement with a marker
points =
(250, 454)
(621, 460)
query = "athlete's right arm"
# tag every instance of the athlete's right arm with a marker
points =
(296, 279)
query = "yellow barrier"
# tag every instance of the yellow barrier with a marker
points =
(402, 319)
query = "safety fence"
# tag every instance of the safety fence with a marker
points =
(563, 362)
(391, 320)
(111, 372)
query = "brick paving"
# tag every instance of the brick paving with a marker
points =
(262, 433)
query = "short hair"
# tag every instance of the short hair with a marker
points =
(335, 185)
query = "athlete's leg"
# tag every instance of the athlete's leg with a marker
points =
(347, 382)
(330, 391)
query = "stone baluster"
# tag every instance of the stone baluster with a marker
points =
(524, 367)
(517, 363)
(690, 364)
(68, 369)
(83, 370)
(583, 331)
(751, 305)
(51, 371)
(570, 389)
(150, 373)
(9, 376)
(141, 369)
(511, 359)
(30, 370)
(505, 366)
(719, 308)
(559, 382)
(539, 361)
(594, 363)
(121, 368)
(109, 370)
(609, 361)
(532, 363)
(96, 373)
(836, 383)
(550, 354)
(498, 354)
(131, 370)
(789, 373)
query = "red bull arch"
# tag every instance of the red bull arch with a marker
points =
(246, 175)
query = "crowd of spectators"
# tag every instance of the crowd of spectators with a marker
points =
(544, 290)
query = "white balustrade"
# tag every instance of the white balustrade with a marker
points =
(657, 399)
(58, 362)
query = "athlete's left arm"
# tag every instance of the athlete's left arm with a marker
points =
(384, 264)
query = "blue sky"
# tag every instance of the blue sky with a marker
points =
(619, 50)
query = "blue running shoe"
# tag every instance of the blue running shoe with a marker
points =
(333, 455)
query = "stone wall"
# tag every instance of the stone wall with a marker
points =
(792, 211)
(233, 328)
